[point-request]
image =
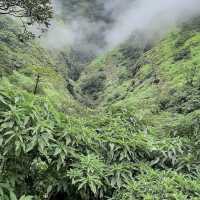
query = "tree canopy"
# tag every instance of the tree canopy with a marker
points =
(34, 11)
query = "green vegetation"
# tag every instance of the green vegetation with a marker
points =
(29, 12)
(127, 129)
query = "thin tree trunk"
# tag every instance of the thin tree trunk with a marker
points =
(36, 85)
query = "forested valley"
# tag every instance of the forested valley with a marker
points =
(100, 100)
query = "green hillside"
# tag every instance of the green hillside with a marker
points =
(127, 129)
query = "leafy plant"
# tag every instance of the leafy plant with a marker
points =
(88, 175)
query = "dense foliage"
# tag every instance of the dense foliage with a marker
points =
(39, 11)
(113, 155)
(139, 141)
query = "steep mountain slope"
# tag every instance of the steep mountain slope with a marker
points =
(139, 140)
(159, 84)
(149, 81)
(28, 66)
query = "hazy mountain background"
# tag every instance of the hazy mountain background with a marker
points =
(103, 106)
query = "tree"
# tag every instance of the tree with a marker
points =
(30, 11)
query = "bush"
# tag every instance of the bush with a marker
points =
(183, 101)
(182, 54)
(153, 184)
(94, 84)
(94, 157)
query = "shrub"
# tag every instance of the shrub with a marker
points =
(153, 184)
(94, 84)
(182, 54)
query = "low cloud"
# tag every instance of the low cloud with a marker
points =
(119, 20)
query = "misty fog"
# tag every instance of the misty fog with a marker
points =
(123, 19)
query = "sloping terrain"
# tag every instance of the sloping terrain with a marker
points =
(139, 138)
(161, 81)
(25, 65)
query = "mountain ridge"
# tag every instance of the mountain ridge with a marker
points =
(127, 128)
